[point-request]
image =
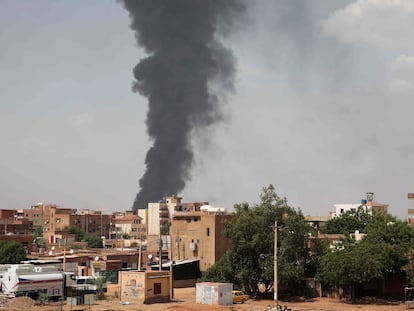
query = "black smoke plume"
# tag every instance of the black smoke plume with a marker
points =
(185, 59)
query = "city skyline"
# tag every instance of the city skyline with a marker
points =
(321, 107)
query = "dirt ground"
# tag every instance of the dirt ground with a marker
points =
(184, 300)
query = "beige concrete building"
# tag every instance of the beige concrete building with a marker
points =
(317, 222)
(144, 287)
(42, 216)
(92, 222)
(200, 234)
(130, 224)
(159, 214)
(54, 220)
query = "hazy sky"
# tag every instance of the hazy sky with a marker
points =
(322, 107)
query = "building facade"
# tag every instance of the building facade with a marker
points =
(129, 224)
(369, 205)
(200, 234)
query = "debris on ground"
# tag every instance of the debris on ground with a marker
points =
(18, 303)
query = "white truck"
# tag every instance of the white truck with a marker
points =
(30, 280)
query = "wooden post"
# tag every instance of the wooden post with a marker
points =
(64, 255)
(275, 288)
(171, 270)
(178, 246)
(140, 252)
(160, 253)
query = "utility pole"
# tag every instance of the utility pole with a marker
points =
(160, 254)
(140, 252)
(64, 255)
(101, 226)
(275, 268)
(171, 270)
(178, 245)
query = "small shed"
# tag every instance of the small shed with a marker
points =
(144, 286)
(214, 293)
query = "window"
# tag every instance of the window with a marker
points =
(157, 288)
(208, 231)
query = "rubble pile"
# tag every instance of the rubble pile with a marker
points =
(18, 303)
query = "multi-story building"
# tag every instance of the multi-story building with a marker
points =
(34, 214)
(368, 204)
(159, 214)
(92, 222)
(17, 230)
(200, 234)
(62, 218)
(7, 218)
(54, 220)
(129, 224)
(317, 222)
(42, 216)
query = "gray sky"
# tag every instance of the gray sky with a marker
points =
(322, 107)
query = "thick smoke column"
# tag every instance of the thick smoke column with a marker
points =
(184, 59)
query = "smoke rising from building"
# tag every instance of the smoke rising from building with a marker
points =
(184, 59)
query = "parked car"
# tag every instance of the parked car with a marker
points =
(239, 296)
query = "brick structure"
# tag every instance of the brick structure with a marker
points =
(200, 234)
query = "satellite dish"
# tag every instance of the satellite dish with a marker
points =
(96, 258)
(149, 256)
(71, 251)
(157, 259)
(52, 248)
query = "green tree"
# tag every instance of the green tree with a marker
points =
(352, 264)
(395, 239)
(409, 267)
(294, 255)
(349, 222)
(43, 297)
(94, 241)
(100, 282)
(318, 248)
(37, 236)
(251, 258)
(252, 235)
(221, 271)
(381, 253)
(11, 252)
(76, 231)
(165, 229)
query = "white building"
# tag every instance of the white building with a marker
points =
(368, 204)
(159, 214)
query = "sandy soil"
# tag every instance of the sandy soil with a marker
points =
(184, 300)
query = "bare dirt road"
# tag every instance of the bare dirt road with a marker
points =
(184, 300)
